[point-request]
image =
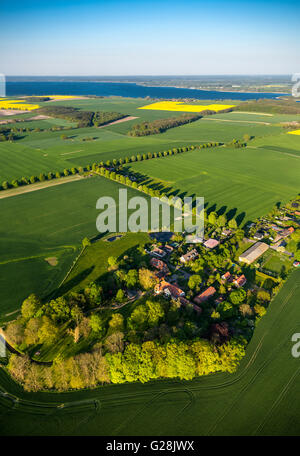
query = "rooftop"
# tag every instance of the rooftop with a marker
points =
(254, 252)
(211, 243)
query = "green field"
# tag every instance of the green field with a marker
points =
(40, 152)
(259, 399)
(42, 224)
(245, 183)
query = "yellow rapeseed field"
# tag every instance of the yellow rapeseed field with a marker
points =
(178, 106)
(16, 104)
(60, 97)
(295, 132)
(23, 106)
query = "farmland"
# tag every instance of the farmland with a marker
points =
(40, 230)
(183, 107)
(41, 250)
(245, 183)
(259, 399)
(35, 152)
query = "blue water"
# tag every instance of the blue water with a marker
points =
(122, 90)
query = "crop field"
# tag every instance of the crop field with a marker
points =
(245, 183)
(41, 152)
(17, 104)
(40, 242)
(47, 223)
(259, 399)
(295, 132)
(183, 107)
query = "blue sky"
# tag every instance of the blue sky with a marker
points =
(115, 37)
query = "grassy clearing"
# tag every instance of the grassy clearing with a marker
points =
(259, 399)
(276, 262)
(92, 264)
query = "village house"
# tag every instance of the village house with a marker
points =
(211, 243)
(189, 256)
(156, 251)
(159, 265)
(169, 290)
(240, 281)
(227, 277)
(202, 297)
(283, 234)
(168, 249)
(226, 232)
(259, 235)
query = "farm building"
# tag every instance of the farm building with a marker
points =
(208, 293)
(192, 255)
(254, 252)
(211, 243)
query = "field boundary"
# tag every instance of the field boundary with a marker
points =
(38, 186)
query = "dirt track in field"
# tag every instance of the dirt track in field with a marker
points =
(38, 186)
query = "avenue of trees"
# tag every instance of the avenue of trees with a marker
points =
(102, 167)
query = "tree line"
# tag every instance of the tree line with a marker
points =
(161, 125)
(82, 118)
(149, 361)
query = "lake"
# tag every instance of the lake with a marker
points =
(19, 88)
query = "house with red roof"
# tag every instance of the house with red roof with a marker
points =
(170, 290)
(202, 297)
(227, 277)
(240, 281)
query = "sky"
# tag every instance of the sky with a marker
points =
(157, 37)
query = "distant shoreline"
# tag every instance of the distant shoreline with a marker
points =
(145, 84)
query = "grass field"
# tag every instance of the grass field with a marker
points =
(276, 262)
(46, 223)
(92, 264)
(259, 399)
(245, 183)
